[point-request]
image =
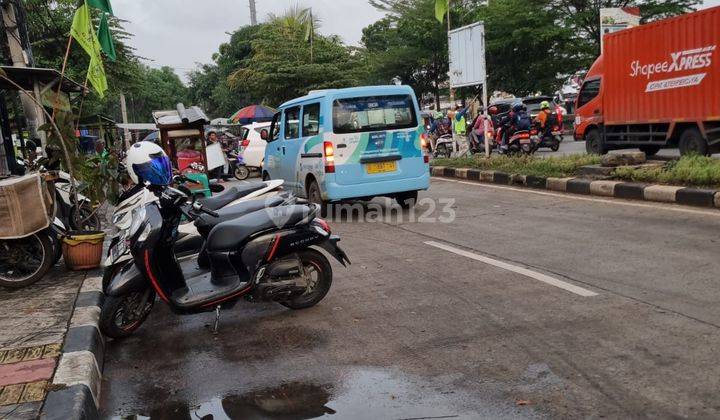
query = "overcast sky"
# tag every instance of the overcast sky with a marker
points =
(180, 33)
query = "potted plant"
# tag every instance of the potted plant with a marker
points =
(82, 246)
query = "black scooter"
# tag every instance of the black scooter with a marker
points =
(267, 255)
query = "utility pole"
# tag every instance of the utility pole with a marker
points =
(34, 116)
(253, 13)
(123, 110)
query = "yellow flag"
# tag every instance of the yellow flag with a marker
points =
(96, 76)
(83, 32)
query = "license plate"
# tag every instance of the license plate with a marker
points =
(524, 141)
(381, 167)
(118, 250)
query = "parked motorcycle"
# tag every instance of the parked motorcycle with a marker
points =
(233, 203)
(66, 207)
(25, 259)
(237, 167)
(262, 256)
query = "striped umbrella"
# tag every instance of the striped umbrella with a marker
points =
(253, 113)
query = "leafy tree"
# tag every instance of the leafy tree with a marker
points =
(48, 25)
(282, 64)
(526, 51)
(583, 18)
(409, 44)
(209, 85)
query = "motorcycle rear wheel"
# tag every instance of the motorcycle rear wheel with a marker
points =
(442, 151)
(319, 272)
(123, 315)
(241, 172)
(26, 260)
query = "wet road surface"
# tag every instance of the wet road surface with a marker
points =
(411, 330)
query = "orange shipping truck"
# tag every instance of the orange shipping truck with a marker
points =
(655, 85)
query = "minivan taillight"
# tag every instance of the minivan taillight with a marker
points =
(329, 150)
(245, 143)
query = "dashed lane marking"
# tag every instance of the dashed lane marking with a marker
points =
(515, 269)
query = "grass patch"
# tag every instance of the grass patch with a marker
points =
(700, 171)
(558, 167)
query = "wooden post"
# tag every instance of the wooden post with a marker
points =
(123, 111)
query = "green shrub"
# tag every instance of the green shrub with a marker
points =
(688, 170)
(561, 166)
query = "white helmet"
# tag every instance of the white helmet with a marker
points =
(147, 162)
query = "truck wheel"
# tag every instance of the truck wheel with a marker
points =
(649, 150)
(594, 143)
(692, 142)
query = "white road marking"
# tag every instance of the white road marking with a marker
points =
(515, 269)
(616, 201)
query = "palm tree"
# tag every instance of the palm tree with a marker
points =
(297, 20)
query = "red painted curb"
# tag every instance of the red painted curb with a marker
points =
(30, 371)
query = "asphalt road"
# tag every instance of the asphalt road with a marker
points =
(529, 304)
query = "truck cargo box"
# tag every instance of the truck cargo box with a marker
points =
(664, 71)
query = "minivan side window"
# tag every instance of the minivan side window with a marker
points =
(275, 127)
(589, 91)
(311, 120)
(292, 123)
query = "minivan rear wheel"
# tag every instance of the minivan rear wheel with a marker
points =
(315, 196)
(407, 200)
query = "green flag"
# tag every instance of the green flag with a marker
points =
(83, 32)
(103, 5)
(105, 38)
(441, 9)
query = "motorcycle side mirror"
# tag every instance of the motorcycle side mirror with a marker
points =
(264, 134)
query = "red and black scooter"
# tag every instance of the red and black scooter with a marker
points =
(268, 255)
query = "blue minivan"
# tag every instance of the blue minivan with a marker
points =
(355, 143)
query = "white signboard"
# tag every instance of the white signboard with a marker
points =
(467, 55)
(615, 19)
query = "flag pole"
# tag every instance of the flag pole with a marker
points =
(62, 72)
(82, 101)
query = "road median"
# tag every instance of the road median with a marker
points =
(690, 196)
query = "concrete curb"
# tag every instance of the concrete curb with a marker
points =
(75, 389)
(603, 188)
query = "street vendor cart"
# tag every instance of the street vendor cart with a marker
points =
(182, 136)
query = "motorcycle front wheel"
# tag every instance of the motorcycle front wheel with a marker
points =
(88, 218)
(123, 315)
(318, 273)
(241, 172)
(26, 260)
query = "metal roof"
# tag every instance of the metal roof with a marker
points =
(26, 76)
(180, 116)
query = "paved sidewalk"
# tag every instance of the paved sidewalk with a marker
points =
(33, 323)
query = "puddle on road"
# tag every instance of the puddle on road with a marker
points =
(362, 394)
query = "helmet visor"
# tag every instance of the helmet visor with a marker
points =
(157, 171)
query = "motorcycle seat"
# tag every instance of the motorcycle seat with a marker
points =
(205, 223)
(232, 194)
(228, 236)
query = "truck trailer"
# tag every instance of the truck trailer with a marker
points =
(654, 86)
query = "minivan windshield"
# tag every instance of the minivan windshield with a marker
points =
(373, 113)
